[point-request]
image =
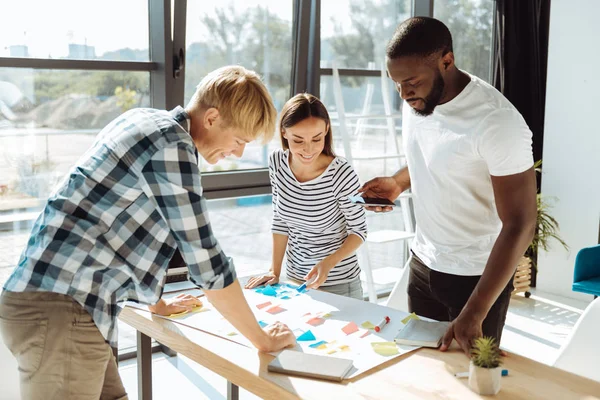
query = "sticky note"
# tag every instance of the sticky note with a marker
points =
(331, 351)
(367, 325)
(269, 291)
(350, 328)
(262, 324)
(319, 345)
(316, 321)
(411, 316)
(385, 349)
(232, 334)
(328, 315)
(364, 334)
(263, 305)
(194, 310)
(306, 336)
(275, 310)
(344, 347)
(306, 314)
(285, 297)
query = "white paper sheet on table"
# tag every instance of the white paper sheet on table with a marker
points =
(301, 308)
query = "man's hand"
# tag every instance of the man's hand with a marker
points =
(175, 305)
(465, 328)
(320, 273)
(279, 337)
(267, 279)
(383, 187)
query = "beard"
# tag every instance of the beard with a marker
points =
(433, 98)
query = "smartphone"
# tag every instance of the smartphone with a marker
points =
(371, 201)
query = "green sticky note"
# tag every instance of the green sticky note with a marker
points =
(411, 316)
(385, 349)
(368, 325)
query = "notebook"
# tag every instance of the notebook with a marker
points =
(418, 332)
(310, 365)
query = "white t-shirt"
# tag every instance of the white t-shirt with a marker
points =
(451, 155)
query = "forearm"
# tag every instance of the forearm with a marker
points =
(279, 246)
(402, 178)
(350, 245)
(232, 305)
(508, 249)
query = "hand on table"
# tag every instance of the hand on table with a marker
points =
(465, 328)
(318, 274)
(175, 305)
(279, 337)
(267, 279)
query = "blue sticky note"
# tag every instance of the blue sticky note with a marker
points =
(285, 297)
(306, 336)
(291, 286)
(269, 291)
(315, 345)
(262, 324)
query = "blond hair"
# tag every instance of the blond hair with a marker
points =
(242, 100)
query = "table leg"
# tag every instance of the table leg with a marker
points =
(233, 391)
(144, 366)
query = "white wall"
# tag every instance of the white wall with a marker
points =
(571, 159)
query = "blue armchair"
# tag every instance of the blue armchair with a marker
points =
(586, 278)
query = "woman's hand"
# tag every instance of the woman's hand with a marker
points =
(267, 279)
(175, 305)
(318, 274)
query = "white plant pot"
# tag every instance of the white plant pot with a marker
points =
(485, 381)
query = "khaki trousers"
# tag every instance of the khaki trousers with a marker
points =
(60, 352)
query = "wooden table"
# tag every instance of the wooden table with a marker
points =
(423, 374)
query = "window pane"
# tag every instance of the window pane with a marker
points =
(106, 30)
(471, 25)
(254, 34)
(355, 32)
(48, 119)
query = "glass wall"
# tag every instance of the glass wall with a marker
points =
(254, 34)
(471, 25)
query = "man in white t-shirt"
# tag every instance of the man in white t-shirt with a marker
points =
(470, 169)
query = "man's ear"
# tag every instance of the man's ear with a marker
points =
(210, 117)
(447, 60)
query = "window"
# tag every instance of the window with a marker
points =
(73, 29)
(471, 25)
(355, 32)
(254, 34)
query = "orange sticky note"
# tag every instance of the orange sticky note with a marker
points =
(350, 328)
(263, 305)
(316, 321)
(275, 310)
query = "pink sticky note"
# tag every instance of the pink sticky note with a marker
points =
(316, 321)
(364, 334)
(275, 310)
(263, 305)
(350, 328)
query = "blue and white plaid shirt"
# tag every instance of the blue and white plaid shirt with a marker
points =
(108, 232)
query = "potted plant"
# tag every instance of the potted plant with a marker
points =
(546, 228)
(484, 370)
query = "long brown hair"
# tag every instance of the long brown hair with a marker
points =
(299, 108)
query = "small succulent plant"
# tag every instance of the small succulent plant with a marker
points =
(485, 353)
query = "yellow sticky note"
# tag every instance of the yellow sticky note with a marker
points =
(411, 316)
(194, 310)
(331, 351)
(385, 349)
(368, 325)
(328, 315)
(344, 347)
(323, 346)
(232, 334)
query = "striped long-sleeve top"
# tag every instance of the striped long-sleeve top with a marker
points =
(316, 216)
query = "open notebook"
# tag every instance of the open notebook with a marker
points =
(418, 332)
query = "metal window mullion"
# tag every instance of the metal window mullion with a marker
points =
(422, 8)
(161, 50)
(307, 47)
(350, 72)
(100, 65)
(179, 44)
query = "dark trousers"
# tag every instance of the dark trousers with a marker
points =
(442, 296)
